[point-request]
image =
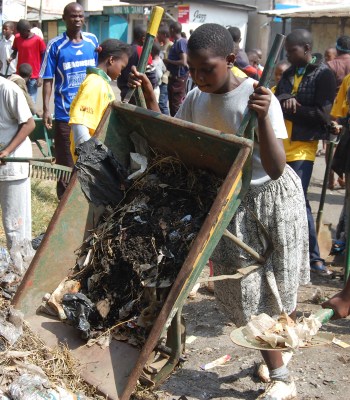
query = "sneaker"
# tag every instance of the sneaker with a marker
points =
(320, 269)
(264, 373)
(279, 390)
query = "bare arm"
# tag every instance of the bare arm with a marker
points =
(181, 63)
(47, 89)
(12, 56)
(272, 153)
(24, 130)
(136, 79)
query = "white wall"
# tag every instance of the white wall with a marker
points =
(226, 16)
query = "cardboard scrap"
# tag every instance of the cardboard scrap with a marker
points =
(340, 343)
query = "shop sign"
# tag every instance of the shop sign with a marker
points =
(199, 17)
(183, 14)
(123, 10)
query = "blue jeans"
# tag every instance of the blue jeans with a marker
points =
(163, 99)
(32, 87)
(304, 171)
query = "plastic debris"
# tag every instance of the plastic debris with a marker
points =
(101, 176)
(78, 309)
(138, 164)
(13, 266)
(34, 387)
(36, 242)
(190, 339)
(11, 325)
(220, 361)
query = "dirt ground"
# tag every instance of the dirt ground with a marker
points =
(320, 373)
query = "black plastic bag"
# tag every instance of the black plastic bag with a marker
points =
(78, 308)
(101, 176)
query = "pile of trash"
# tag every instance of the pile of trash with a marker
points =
(126, 267)
(31, 371)
(13, 266)
(283, 333)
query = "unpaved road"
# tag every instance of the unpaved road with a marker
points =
(320, 373)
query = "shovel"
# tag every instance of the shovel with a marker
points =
(321, 338)
(156, 17)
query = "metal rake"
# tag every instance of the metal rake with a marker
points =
(43, 168)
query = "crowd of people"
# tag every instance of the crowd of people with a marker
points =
(210, 80)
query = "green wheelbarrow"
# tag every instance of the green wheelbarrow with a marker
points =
(115, 370)
(41, 133)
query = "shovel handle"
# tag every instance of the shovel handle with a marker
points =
(324, 315)
(250, 116)
(156, 17)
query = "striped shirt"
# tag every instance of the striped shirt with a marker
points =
(66, 63)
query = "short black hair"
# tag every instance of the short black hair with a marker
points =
(155, 49)
(343, 44)
(235, 33)
(23, 25)
(176, 26)
(283, 62)
(70, 5)
(139, 31)
(10, 24)
(300, 37)
(164, 29)
(25, 70)
(112, 48)
(212, 37)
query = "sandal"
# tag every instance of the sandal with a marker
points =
(320, 269)
(338, 247)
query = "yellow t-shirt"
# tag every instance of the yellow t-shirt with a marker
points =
(297, 150)
(237, 72)
(91, 101)
(340, 107)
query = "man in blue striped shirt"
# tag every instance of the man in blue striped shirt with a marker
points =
(66, 59)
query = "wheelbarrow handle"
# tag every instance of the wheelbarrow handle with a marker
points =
(156, 17)
(250, 116)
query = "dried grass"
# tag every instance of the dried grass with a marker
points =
(60, 367)
(44, 203)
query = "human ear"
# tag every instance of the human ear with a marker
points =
(230, 59)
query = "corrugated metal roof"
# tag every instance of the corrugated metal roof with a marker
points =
(337, 10)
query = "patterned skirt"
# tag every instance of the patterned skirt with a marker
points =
(280, 207)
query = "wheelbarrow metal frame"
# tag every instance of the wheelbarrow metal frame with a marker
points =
(75, 218)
